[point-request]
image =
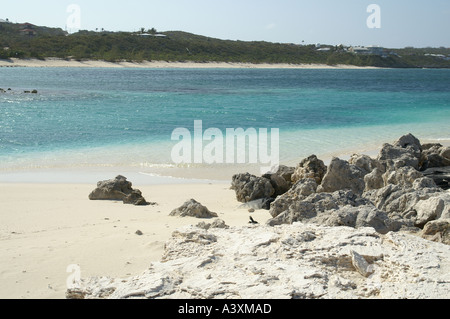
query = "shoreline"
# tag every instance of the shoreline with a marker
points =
(63, 63)
(48, 224)
(165, 174)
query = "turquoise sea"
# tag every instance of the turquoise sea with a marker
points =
(89, 117)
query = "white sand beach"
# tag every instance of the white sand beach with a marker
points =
(47, 227)
(48, 223)
(60, 63)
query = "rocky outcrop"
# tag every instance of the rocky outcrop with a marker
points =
(434, 155)
(342, 175)
(250, 187)
(393, 157)
(135, 198)
(281, 180)
(192, 208)
(437, 230)
(388, 193)
(366, 228)
(310, 167)
(300, 191)
(118, 189)
(299, 261)
(341, 208)
(398, 200)
(440, 175)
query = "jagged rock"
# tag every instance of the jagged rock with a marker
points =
(310, 167)
(281, 180)
(411, 143)
(435, 207)
(434, 155)
(441, 176)
(394, 157)
(302, 189)
(360, 264)
(438, 231)
(315, 208)
(403, 176)
(249, 262)
(249, 187)
(192, 208)
(365, 162)
(135, 198)
(342, 175)
(362, 216)
(217, 223)
(279, 184)
(395, 199)
(118, 189)
(113, 189)
(374, 180)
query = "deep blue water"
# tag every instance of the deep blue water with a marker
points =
(126, 116)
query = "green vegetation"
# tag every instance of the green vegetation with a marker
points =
(150, 45)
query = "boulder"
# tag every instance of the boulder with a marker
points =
(433, 208)
(113, 189)
(410, 143)
(434, 155)
(438, 231)
(316, 208)
(362, 216)
(281, 180)
(342, 175)
(310, 167)
(440, 175)
(302, 189)
(393, 157)
(374, 180)
(403, 176)
(365, 162)
(118, 189)
(192, 208)
(398, 200)
(249, 187)
(135, 198)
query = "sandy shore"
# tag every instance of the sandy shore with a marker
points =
(47, 227)
(54, 62)
(47, 223)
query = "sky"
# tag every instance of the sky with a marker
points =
(394, 23)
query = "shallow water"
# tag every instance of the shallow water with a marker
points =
(125, 117)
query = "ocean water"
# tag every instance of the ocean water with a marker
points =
(87, 117)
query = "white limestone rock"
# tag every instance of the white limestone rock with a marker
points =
(283, 262)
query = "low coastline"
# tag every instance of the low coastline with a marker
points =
(64, 63)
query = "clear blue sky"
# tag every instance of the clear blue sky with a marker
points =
(416, 23)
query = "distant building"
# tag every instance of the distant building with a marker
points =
(373, 49)
(28, 29)
(359, 50)
(158, 35)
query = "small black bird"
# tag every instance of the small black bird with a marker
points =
(252, 221)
